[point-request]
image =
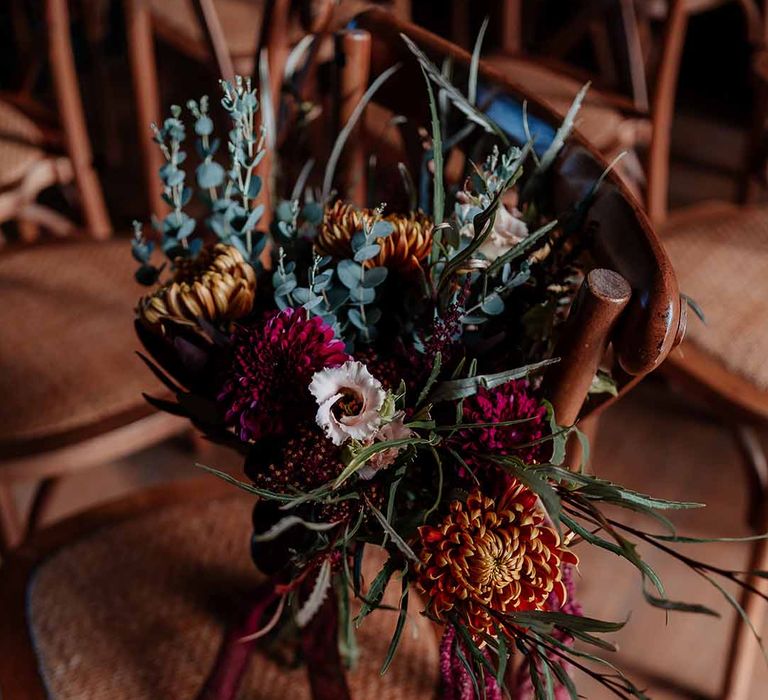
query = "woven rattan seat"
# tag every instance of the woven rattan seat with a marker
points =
(602, 125)
(67, 344)
(19, 149)
(137, 610)
(720, 254)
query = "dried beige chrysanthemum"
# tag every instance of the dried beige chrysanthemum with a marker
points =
(404, 249)
(218, 285)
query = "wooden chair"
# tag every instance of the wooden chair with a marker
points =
(160, 559)
(131, 600)
(623, 241)
(70, 384)
(720, 252)
(609, 120)
(35, 156)
(230, 35)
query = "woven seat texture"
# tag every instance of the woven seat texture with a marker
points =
(136, 611)
(67, 345)
(720, 255)
(19, 149)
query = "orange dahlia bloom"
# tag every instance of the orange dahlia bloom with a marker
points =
(501, 555)
(403, 249)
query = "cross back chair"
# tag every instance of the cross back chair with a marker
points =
(638, 117)
(652, 321)
(175, 552)
(720, 252)
(36, 154)
(70, 385)
(231, 36)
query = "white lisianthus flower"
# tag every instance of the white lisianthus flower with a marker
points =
(508, 231)
(395, 430)
(349, 399)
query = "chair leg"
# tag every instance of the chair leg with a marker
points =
(748, 442)
(144, 70)
(744, 647)
(10, 521)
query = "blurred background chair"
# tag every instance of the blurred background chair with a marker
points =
(720, 252)
(36, 154)
(637, 47)
(229, 36)
(70, 383)
(170, 570)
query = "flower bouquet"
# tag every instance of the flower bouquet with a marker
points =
(383, 373)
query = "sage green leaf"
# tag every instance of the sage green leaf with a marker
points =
(453, 389)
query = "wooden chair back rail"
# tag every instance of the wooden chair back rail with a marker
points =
(72, 118)
(622, 239)
(354, 61)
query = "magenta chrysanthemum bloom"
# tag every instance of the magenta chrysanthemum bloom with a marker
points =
(267, 383)
(508, 402)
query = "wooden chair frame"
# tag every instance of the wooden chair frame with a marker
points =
(743, 409)
(272, 44)
(46, 460)
(659, 107)
(18, 200)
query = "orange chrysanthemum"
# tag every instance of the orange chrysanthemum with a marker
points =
(485, 554)
(403, 249)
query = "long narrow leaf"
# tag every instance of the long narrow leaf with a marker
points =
(401, 618)
(459, 101)
(438, 193)
(317, 597)
(474, 64)
(399, 542)
(287, 523)
(453, 389)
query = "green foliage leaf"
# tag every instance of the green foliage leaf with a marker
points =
(350, 273)
(376, 590)
(209, 174)
(367, 252)
(341, 139)
(401, 618)
(374, 277)
(438, 195)
(453, 389)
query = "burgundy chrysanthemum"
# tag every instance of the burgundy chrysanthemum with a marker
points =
(272, 365)
(508, 402)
